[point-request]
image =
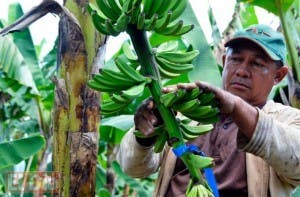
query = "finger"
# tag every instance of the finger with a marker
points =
(167, 89)
(187, 86)
(206, 87)
(143, 125)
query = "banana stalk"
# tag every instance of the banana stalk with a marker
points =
(149, 68)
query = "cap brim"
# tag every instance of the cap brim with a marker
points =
(237, 40)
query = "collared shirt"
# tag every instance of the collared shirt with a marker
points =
(229, 163)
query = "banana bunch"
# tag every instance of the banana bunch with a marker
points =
(123, 85)
(199, 191)
(194, 104)
(119, 101)
(173, 63)
(112, 17)
(159, 16)
(190, 132)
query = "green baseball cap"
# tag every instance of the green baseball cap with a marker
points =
(269, 40)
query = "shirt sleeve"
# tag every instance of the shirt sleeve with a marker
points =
(277, 141)
(136, 160)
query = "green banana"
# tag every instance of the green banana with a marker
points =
(160, 141)
(109, 83)
(147, 6)
(114, 6)
(178, 56)
(168, 99)
(111, 28)
(119, 99)
(150, 24)
(99, 25)
(154, 7)
(174, 67)
(129, 71)
(200, 111)
(188, 137)
(205, 116)
(121, 2)
(99, 87)
(141, 21)
(196, 130)
(167, 74)
(163, 22)
(207, 99)
(111, 107)
(202, 162)
(208, 120)
(192, 94)
(172, 28)
(122, 22)
(186, 106)
(134, 91)
(178, 8)
(106, 10)
(185, 29)
(164, 8)
(117, 76)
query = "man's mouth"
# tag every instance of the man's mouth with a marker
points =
(239, 85)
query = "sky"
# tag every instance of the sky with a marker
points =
(47, 27)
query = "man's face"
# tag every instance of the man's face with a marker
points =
(249, 73)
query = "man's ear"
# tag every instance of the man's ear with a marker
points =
(223, 59)
(280, 74)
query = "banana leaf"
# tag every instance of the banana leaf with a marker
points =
(13, 152)
(132, 183)
(206, 67)
(24, 43)
(13, 64)
(114, 128)
(271, 5)
(247, 15)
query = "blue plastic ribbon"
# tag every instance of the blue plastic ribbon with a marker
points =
(208, 172)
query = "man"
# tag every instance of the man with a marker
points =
(256, 143)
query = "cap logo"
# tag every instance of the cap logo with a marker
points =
(256, 31)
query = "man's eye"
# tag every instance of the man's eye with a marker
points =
(257, 64)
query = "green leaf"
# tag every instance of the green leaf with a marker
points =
(133, 183)
(248, 15)
(122, 122)
(206, 67)
(111, 134)
(270, 5)
(100, 178)
(103, 192)
(13, 152)
(13, 64)
(24, 43)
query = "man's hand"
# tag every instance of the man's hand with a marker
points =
(226, 101)
(146, 117)
(243, 114)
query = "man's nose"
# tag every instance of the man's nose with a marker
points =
(243, 70)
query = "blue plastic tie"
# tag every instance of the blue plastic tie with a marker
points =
(208, 172)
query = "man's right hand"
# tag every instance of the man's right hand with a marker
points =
(147, 117)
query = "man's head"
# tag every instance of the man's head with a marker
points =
(254, 62)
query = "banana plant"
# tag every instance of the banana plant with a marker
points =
(76, 107)
(145, 68)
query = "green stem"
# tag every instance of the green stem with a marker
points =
(149, 68)
(289, 40)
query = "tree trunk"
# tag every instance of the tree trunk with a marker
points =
(76, 112)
